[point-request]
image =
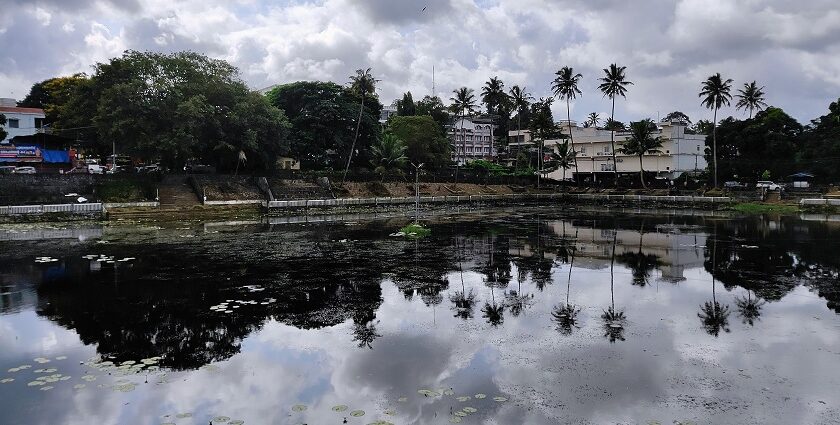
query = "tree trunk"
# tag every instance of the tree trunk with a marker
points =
(642, 172)
(356, 137)
(463, 146)
(571, 138)
(612, 140)
(714, 146)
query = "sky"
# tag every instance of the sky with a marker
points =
(668, 46)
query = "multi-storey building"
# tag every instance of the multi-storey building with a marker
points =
(680, 152)
(20, 121)
(473, 134)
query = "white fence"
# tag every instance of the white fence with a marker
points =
(820, 201)
(51, 209)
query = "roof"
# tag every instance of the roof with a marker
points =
(802, 175)
(16, 110)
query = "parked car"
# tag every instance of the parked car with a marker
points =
(152, 168)
(7, 169)
(116, 170)
(734, 185)
(766, 184)
(25, 170)
(95, 169)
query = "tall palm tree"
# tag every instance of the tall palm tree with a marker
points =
(715, 94)
(565, 86)
(463, 103)
(493, 95)
(641, 142)
(521, 99)
(593, 119)
(613, 84)
(751, 97)
(362, 84)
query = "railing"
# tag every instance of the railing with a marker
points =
(51, 209)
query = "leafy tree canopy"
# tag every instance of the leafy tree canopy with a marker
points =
(323, 117)
(51, 95)
(175, 107)
(425, 142)
(435, 108)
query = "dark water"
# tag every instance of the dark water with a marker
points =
(569, 317)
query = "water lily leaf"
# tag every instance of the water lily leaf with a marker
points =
(480, 396)
(470, 409)
(455, 420)
(339, 408)
(500, 399)
(357, 413)
(298, 408)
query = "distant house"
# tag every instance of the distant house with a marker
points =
(20, 121)
(801, 180)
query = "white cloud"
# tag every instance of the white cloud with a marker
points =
(669, 47)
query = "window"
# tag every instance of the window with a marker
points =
(698, 148)
(39, 122)
(583, 149)
(667, 151)
(13, 123)
(606, 149)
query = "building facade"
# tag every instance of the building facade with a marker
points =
(680, 152)
(20, 121)
(471, 139)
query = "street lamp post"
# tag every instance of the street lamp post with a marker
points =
(417, 191)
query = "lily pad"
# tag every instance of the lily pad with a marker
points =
(339, 408)
(357, 413)
(448, 392)
(463, 398)
(455, 420)
(6, 380)
(402, 399)
(221, 419)
(480, 396)
(46, 388)
(183, 415)
(236, 422)
(298, 408)
(461, 413)
(500, 399)
(470, 409)
(79, 386)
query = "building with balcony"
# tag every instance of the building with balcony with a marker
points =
(471, 139)
(680, 152)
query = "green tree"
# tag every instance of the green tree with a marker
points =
(542, 127)
(751, 97)
(614, 125)
(715, 94)
(562, 158)
(701, 127)
(463, 103)
(388, 156)
(53, 94)
(769, 141)
(520, 100)
(321, 114)
(424, 140)
(592, 120)
(677, 116)
(175, 107)
(406, 106)
(362, 84)
(614, 83)
(820, 145)
(642, 141)
(565, 86)
(434, 107)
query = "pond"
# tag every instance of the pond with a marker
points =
(537, 316)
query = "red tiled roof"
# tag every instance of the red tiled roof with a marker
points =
(15, 109)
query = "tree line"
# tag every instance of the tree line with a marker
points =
(182, 106)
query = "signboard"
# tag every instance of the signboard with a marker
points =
(12, 153)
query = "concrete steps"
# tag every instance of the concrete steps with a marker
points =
(175, 192)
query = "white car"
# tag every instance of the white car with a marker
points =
(767, 185)
(95, 169)
(25, 170)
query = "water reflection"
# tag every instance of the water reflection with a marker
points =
(373, 300)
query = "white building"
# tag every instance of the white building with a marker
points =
(475, 134)
(20, 121)
(680, 152)
(388, 112)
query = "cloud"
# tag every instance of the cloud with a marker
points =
(669, 47)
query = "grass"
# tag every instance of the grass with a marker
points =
(415, 231)
(758, 208)
(122, 191)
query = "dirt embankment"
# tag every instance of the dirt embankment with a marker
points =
(377, 189)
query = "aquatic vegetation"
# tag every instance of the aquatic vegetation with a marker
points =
(339, 408)
(415, 231)
(298, 408)
(357, 413)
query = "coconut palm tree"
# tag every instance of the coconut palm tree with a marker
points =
(388, 157)
(521, 99)
(751, 97)
(592, 120)
(715, 94)
(463, 103)
(565, 86)
(613, 84)
(493, 95)
(561, 158)
(641, 142)
(362, 84)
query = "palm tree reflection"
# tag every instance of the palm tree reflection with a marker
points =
(613, 319)
(364, 328)
(749, 308)
(713, 315)
(463, 303)
(565, 315)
